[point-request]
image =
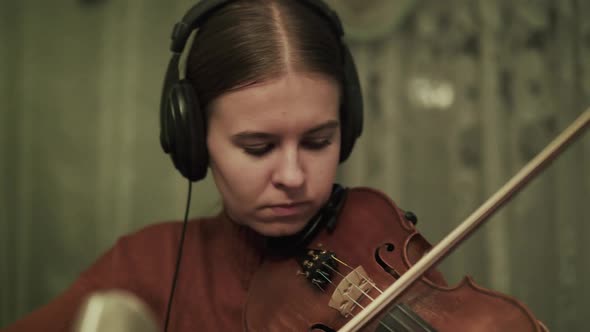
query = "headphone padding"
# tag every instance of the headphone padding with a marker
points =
(186, 129)
(352, 106)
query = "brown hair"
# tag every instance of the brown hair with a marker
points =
(249, 41)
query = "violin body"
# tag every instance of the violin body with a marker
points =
(372, 232)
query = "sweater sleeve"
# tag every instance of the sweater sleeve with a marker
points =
(129, 265)
(59, 314)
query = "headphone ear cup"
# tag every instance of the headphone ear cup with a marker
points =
(183, 133)
(352, 106)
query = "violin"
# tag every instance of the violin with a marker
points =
(365, 266)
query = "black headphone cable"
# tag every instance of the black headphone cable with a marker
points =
(178, 257)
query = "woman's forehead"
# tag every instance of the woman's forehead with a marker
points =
(296, 99)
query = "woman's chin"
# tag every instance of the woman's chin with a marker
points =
(278, 229)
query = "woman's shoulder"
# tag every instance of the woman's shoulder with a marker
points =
(150, 245)
(149, 251)
(167, 231)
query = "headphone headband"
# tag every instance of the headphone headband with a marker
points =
(191, 21)
(199, 13)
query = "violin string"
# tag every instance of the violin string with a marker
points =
(341, 262)
(350, 282)
(358, 304)
(325, 277)
(349, 313)
(354, 285)
(361, 276)
(358, 274)
(318, 286)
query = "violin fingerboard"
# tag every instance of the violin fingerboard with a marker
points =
(402, 319)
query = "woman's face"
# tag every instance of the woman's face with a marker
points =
(274, 149)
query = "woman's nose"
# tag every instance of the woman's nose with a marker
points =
(289, 172)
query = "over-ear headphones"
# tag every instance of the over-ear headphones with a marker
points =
(183, 123)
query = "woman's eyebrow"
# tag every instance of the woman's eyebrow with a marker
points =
(332, 124)
(263, 136)
(252, 135)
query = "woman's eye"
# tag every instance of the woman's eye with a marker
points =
(316, 144)
(258, 150)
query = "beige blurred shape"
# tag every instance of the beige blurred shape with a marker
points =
(115, 311)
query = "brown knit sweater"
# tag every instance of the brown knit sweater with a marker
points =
(143, 263)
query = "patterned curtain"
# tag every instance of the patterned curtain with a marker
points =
(458, 96)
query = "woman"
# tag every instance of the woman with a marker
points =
(271, 105)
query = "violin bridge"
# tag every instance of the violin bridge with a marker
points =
(350, 289)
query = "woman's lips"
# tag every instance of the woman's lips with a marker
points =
(288, 210)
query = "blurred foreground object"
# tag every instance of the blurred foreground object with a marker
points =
(115, 311)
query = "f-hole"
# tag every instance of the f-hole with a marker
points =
(321, 327)
(388, 247)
